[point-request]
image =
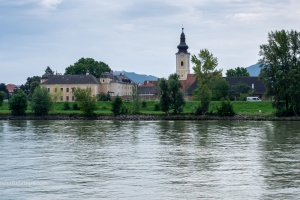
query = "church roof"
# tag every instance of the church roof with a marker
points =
(71, 79)
(182, 47)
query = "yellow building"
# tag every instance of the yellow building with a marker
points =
(182, 59)
(63, 85)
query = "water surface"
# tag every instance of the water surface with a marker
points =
(149, 160)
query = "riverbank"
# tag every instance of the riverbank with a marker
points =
(150, 117)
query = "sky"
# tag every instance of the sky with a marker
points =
(138, 36)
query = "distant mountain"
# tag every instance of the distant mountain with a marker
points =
(253, 70)
(137, 78)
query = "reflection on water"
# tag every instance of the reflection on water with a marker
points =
(149, 160)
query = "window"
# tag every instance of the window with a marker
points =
(73, 98)
(67, 89)
(181, 76)
(182, 63)
(48, 89)
(62, 89)
(67, 98)
(73, 89)
(61, 98)
(103, 81)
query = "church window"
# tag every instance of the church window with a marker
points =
(181, 63)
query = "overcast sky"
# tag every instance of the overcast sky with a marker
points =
(134, 35)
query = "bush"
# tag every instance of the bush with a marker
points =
(197, 110)
(117, 105)
(66, 106)
(144, 104)
(86, 102)
(157, 107)
(75, 106)
(2, 97)
(226, 109)
(18, 103)
(41, 101)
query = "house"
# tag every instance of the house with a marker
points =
(64, 85)
(11, 89)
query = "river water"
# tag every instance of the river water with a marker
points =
(149, 160)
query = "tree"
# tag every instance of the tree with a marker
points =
(206, 73)
(4, 89)
(56, 94)
(240, 91)
(88, 65)
(220, 89)
(86, 102)
(41, 101)
(280, 70)
(135, 99)
(30, 85)
(103, 97)
(49, 71)
(2, 97)
(170, 95)
(175, 95)
(117, 105)
(164, 95)
(18, 103)
(239, 71)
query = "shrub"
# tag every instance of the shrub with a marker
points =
(86, 102)
(18, 103)
(197, 110)
(144, 104)
(157, 107)
(2, 97)
(226, 109)
(66, 106)
(117, 105)
(75, 106)
(41, 101)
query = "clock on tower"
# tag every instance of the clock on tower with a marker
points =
(182, 58)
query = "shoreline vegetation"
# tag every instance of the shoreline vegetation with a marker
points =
(255, 111)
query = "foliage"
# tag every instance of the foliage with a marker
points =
(157, 107)
(164, 95)
(176, 96)
(88, 65)
(103, 97)
(239, 71)
(41, 101)
(56, 94)
(136, 103)
(75, 106)
(66, 106)
(117, 106)
(220, 89)
(207, 74)
(144, 104)
(86, 102)
(280, 69)
(30, 85)
(4, 89)
(240, 91)
(49, 70)
(226, 108)
(18, 103)
(2, 97)
(170, 95)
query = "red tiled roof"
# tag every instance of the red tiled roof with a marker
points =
(11, 87)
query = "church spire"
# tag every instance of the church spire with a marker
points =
(182, 47)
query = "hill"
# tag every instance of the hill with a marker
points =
(137, 78)
(253, 70)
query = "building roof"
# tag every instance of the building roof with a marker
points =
(251, 81)
(122, 79)
(71, 79)
(11, 87)
(148, 89)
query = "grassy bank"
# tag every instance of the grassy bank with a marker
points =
(103, 108)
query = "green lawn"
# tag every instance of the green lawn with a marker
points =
(240, 107)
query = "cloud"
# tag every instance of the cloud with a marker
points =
(51, 4)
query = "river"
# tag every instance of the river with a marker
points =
(149, 160)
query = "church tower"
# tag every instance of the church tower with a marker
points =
(182, 58)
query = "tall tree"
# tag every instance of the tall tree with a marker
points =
(176, 96)
(41, 101)
(86, 102)
(206, 72)
(280, 69)
(30, 85)
(49, 70)
(2, 97)
(88, 65)
(4, 89)
(18, 103)
(164, 95)
(239, 71)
